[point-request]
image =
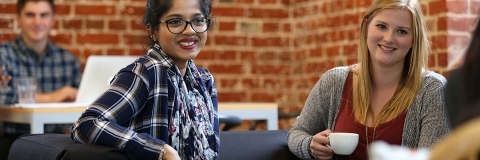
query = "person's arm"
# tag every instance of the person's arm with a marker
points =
(6, 97)
(433, 121)
(103, 123)
(314, 116)
(64, 94)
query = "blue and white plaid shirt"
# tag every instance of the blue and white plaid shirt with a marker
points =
(53, 70)
(135, 112)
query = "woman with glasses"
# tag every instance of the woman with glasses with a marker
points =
(388, 96)
(161, 106)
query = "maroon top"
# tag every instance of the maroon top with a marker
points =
(390, 132)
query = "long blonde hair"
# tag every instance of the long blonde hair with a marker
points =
(415, 61)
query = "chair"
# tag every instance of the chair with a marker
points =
(462, 143)
(229, 121)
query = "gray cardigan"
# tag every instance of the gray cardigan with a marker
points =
(425, 124)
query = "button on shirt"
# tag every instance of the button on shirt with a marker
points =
(54, 69)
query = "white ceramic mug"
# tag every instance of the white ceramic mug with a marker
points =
(343, 143)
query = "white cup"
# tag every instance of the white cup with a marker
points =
(343, 143)
(27, 88)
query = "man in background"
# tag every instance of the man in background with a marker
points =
(32, 54)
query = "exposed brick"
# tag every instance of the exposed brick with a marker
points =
(247, 55)
(90, 52)
(431, 60)
(62, 39)
(8, 8)
(251, 83)
(4, 37)
(230, 40)
(137, 25)
(316, 52)
(439, 42)
(62, 9)
(245, 1)
(458, 41)
(227, 55)
(437, 7)
(457, 6)
(206, 55)
(267, 1)
(442, 24)
(350, 49)
(115, 51)
(227, 26)
(270, 27)
(267, 13)
(231, 96)
(135, 39)
(94, 10)
(442, 59)
(461, 23)
(271, 69)
(97, 39)
(474, 6)
(133, 10)
(95, 24)
(226, 68)
(138, 52)
(271, 41)
(228, 11)
(117, 24)
(317, 67)
(6, 23)
(227, 83)
(332, 51)
(287, 28)
(72, 24)
(263, 97)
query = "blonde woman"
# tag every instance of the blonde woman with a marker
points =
(389, 95)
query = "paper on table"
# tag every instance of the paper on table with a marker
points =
(52, 105)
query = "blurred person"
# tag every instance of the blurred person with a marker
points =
(32, 54)
(389, 95)
(161, 106)
(462, 93)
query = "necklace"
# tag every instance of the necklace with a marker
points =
(374, 129)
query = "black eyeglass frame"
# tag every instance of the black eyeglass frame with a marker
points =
(207, 20)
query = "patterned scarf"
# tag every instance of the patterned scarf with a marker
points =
(191, 126)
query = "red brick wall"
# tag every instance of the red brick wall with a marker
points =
(258, 50)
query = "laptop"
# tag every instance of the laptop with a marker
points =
(98, 72)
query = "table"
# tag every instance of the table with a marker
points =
(57, 113)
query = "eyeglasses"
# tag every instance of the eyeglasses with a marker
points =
(177, 25)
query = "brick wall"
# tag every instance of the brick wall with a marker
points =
(258, 50)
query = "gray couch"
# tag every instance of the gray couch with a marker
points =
(234, 145)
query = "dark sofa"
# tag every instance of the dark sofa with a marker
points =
(234, 145)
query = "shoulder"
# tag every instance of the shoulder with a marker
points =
(6, 47)
(336, 73)
(57, 50)
(431, 78)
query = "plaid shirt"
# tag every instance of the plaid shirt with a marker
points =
(133, 115)
(53, 70)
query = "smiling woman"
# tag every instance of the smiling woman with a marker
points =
(389, 95)
(161, 105)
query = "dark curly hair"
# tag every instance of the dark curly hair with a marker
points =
(155, 9)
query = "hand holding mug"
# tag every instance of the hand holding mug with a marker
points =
(318, 146)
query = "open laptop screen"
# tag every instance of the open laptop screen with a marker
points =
(97, 74)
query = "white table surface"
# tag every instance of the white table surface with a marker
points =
(51, 113)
